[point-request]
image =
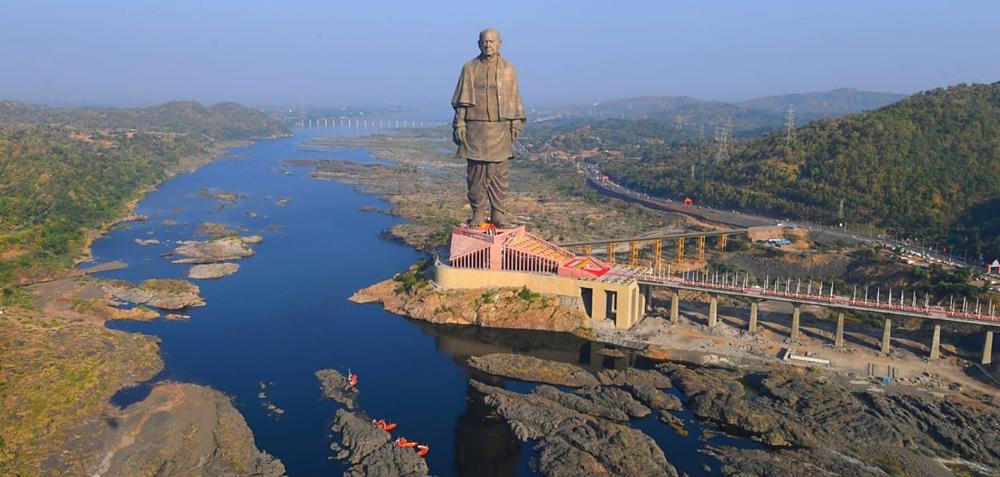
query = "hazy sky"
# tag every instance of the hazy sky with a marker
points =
(365, 51)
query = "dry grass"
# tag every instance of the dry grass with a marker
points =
(55, 370)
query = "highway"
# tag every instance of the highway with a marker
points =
(819, 233)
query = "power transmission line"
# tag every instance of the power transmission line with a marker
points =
(722, 134)
(790, 125)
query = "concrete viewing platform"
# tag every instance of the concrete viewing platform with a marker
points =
(485, 257)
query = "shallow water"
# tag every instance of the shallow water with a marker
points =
(285, 314)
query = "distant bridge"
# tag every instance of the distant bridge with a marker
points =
(655, 242)
(366, 123)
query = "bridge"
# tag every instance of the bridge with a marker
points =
(902, 304)
(354, 123)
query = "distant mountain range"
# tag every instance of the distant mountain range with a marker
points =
(748, 118)
(223, 121)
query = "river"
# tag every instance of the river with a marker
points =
(285, 314)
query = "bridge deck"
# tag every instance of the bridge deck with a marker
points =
(649, 238)
(840, 302)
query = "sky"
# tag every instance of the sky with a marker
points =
(369, 52)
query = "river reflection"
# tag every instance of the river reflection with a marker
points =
(461, 342)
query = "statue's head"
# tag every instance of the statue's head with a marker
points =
(489, 42)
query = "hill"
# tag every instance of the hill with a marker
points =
(927, 166)
(65, 172)
(698, 119)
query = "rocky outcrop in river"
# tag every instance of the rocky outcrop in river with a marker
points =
(586, 431)
(335, 386)
(821, 417)
(571, 442)
(178, 430)
(164, 294)
(370, 451)
(211, 271)
(633, 377)
(218, 250)
(529, 368)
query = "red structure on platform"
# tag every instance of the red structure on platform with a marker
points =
(515, 249)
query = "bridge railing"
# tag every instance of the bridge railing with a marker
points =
(931, 311)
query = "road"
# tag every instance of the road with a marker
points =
(818, 233)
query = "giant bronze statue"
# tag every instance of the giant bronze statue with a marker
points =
(489, 117)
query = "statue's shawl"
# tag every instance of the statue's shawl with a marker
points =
(508, 92)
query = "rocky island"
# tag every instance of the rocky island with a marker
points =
(210, 271)
(216, 250)
(166, 294)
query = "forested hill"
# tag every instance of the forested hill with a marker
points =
(65, 172)
(221, 121)
(925, 166)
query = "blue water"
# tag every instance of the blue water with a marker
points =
(285, 314)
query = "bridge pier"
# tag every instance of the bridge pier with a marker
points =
(713, 310)
(796, 311)
(675, 305)
(752, 326)
(838, 336)
(936, 342)
(988, 348)
(886, 334)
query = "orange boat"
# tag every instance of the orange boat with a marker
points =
(422, 450)
(385, 426)
(402, 442)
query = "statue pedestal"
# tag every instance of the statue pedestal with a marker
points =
(516, 249)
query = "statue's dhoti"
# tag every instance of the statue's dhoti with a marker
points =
(488, 149)
(488, 191)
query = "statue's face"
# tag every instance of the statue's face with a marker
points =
(489, 44)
